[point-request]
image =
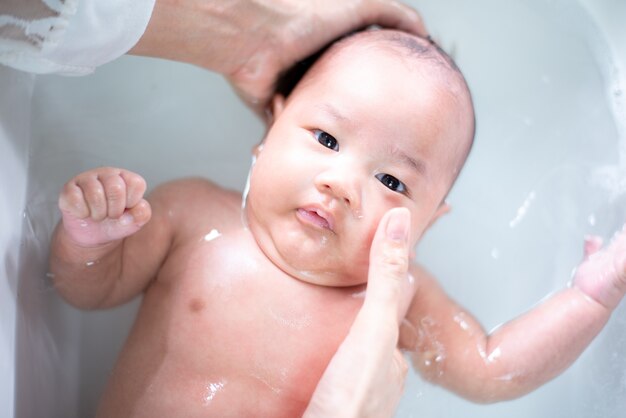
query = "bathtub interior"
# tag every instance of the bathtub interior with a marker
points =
(546, 169)
(16, 88)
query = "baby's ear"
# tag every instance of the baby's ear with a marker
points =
(276, 107)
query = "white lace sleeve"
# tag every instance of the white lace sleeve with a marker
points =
(69, 37)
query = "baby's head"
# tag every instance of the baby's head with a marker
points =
(383, 119)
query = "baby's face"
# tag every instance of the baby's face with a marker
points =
(364, 134)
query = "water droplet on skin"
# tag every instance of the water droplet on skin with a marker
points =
(261, 375)
(491, 357)
(509, 376)
(427, 321)
(90, 263)
(246, 189)
(435, 352)
(460, 319)
(494, 355)
(212, 389)
(214, 233)
(411, 279)
(481, 353)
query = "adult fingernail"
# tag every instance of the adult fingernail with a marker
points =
(398, 225)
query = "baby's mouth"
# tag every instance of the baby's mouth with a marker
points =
(316, 217)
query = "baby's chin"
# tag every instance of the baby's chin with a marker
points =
(314, 266)
(317, 272)
(311, 259)
(323, 278)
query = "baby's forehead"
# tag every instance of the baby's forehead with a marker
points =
(366, 50)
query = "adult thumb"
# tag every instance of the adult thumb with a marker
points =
(389, 286)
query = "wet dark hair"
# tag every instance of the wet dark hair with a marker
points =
(289, 79)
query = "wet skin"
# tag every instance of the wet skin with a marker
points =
(242, 322)
(222, 331)
(246, 323)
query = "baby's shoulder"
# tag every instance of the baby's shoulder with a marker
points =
(190, 187)
(190, 199)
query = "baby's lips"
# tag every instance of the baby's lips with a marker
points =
(330, 219)
(316, 211)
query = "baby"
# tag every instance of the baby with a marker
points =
(243, 307)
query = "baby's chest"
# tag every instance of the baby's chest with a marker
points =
(255, 332)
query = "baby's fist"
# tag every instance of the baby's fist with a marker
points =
(104, 205)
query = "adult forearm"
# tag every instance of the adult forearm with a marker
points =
(200, 32)
(252, 42)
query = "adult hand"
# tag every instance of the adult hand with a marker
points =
(252, 42)
(366, 376)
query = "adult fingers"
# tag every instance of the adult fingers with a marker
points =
(388, 285)
(310, 27)
(366, 376)
(395, 15)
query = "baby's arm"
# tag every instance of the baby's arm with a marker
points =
(450, 348)
(104, 251)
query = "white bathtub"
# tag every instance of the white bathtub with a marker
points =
(548, 167)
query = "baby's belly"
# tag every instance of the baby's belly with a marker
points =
(244, 353)
(173, 392)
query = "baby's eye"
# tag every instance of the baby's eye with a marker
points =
(326, 140)
(391, 182)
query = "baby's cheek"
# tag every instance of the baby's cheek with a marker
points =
(369, 234)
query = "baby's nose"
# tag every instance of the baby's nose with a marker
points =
(341, 184)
